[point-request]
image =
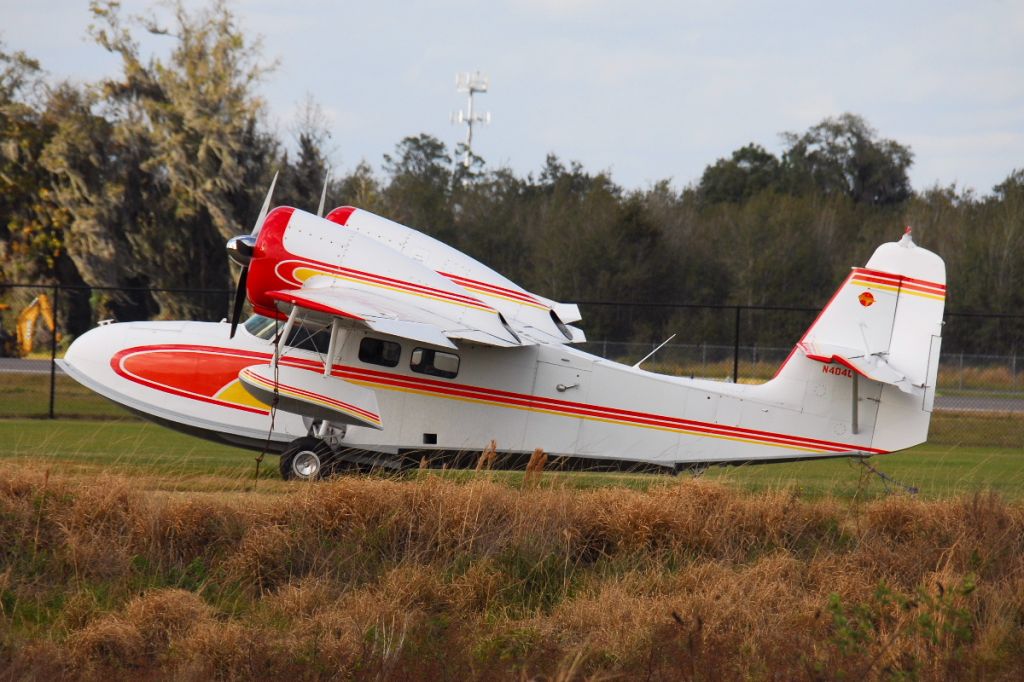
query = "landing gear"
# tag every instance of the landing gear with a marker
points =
(307, 459)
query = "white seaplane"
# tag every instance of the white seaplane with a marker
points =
(373, 344)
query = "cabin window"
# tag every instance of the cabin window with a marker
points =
(434, 362)
(316, 339)
(379, 352)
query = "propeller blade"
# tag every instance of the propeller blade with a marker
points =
(323, 195)
(266, 208)
(240, 250)
(236, 310)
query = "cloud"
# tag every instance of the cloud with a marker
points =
(979, 160)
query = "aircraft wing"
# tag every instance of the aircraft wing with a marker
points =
(398, 315)
(532, 317)
(873, 366)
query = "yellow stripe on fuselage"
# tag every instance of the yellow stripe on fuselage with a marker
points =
(235, 393)
(607, 420)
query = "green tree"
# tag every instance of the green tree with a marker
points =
(489, 214)
(31, 230)
(748, 171)
(301, 182)
(844, 155)
(170, 166)
(361, 189)
(419, 185)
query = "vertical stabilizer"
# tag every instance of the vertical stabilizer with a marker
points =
(882, 329)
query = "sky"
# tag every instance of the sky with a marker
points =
(644, 90)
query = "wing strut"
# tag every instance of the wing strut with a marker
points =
(332, 347)
(284, 334)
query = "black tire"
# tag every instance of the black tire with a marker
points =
(307, 459)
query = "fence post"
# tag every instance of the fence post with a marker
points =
(736, 349)
(53, 350)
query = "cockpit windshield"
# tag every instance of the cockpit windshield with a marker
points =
(262, 327)
(305, 336)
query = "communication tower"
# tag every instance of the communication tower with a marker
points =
(470, 83)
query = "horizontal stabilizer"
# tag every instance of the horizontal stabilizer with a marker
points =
(312, 394)
(567, 312)
(544, 336)
(873, 366)
(577, 334)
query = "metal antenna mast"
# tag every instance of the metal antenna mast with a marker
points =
(470, 83)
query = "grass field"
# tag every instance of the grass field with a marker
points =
(164, 460)
(28, 395)
(375, 579)
(128, 551)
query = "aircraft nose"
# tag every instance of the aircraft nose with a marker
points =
(94, 349)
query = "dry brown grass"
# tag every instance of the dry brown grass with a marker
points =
(382, 579)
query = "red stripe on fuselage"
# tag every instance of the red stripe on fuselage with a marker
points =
(523, 401)
(581, 409)
(176, 370)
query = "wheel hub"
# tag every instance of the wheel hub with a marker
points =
(306, 464)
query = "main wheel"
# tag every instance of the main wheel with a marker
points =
(306, 459)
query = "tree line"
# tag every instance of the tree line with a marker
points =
(136, 182)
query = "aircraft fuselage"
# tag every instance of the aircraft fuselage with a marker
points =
(554, 397)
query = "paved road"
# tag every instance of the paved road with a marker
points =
(969, 403)
(25, 366)
(962, 403)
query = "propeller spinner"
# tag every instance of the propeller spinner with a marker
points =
(240, 250)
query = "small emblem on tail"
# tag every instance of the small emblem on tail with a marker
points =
(866, 299)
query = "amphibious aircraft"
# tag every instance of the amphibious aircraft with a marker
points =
(373, 344)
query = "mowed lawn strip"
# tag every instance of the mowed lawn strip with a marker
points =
(165, 460)
(157, 457)
(24, 394)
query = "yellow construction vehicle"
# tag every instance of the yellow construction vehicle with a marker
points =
(26, 323)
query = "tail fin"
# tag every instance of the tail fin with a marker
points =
(882, 330)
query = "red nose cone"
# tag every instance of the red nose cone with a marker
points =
(268, 253)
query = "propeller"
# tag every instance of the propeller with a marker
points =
(240, 250)
(323, 195)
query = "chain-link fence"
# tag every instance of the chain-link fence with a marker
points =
(980, 395)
